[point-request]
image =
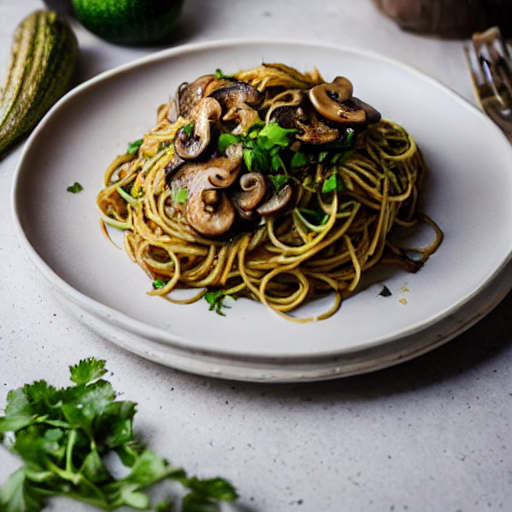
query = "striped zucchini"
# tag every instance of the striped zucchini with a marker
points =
(43, 58)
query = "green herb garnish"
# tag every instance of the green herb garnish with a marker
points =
(385, 292)
(261, 146)
(219, 74)
(188, 129)
(225, 140)
(216, 300)
(299, 159)
(133, 147)
(317, 217)
(279, 181)
(179, 195)
(158, 283)
(65, 435)
(272, 135)
(331, 184)
(75, 188)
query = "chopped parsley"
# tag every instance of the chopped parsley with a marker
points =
(331, 184)
(261, 146)
(75, 188)
(299, 159)
(133, 147)
(219, 74)
(279, 180)
(316, 217)
(179, 195)
(188, 129)
(216, 300)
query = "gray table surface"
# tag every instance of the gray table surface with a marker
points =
(427, 435)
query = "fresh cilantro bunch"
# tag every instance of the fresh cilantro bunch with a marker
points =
(66, 435)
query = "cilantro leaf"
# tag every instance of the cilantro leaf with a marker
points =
(216, 300)
(272, 135)
(331, 184)
(75, 188)
(89, 370)
(179, 195)
(133, 147)
(316, 217)
(158, 283)
(299, 159)
(18, 495)
(225, 140)
(219, 74)
(279, 181)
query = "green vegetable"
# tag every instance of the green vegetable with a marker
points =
(261, 146)
(331, 184)
(65, 435)
(188, 129)
(219, 74)
(158, 283)
(179, 195)
(299, 159)
(279, 181)
(316, 217)
(129, 21)
(216, 300)
(43, 58)
(133, 147)
(75, 188)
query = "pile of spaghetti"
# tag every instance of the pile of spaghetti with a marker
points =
(269, 184)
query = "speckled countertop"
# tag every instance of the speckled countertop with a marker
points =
(427, 435)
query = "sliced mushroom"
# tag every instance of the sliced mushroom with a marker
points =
(332, 102)
(239, 101)
(208, 208)
(253, 190)
(188, 95)
(312, 130)
(236, 93)
(277, 202)
(190, 145)
(372, 115)
(172, 166)
(212, 219)
(285, 101)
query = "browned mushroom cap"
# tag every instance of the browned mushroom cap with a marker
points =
(236, 93)
(253, 189)
(208, 209)
(191, 145)
(239, 101)
(188, 95)
(277, 202)
(312, 130)
(332, 101)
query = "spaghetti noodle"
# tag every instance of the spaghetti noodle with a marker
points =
(269, 184)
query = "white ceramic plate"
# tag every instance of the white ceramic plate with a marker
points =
(469, 194)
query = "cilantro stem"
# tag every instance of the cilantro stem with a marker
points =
(69, 450)
(76, 479)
